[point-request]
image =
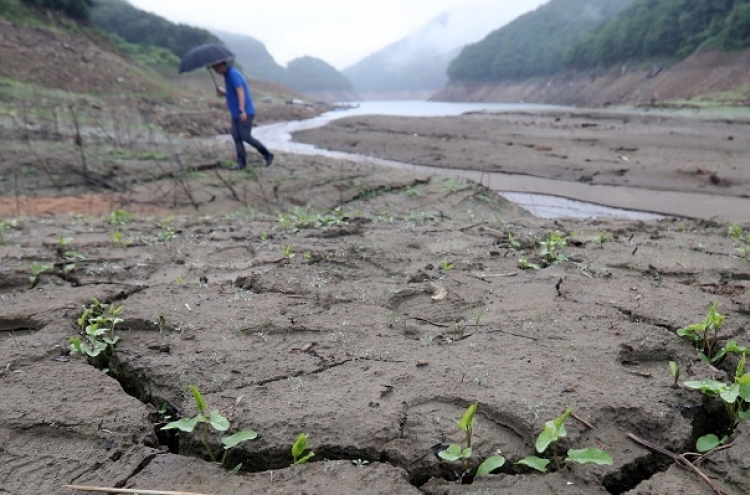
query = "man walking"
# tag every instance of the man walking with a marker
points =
(242, 110)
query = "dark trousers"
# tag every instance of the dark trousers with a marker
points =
(242, 133)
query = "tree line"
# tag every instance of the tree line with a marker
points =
(533, 44)
(578, 34)
(76, 9)
(664, 28)
(144, 28)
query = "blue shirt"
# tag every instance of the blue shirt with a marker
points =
(234, 79)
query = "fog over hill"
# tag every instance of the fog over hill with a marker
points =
(416, 65)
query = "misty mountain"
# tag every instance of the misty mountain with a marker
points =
(253, 56)
(415, 64)
(535, 43)
(308, 75)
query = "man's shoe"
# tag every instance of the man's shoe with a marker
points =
(269, 160)
(238, 166)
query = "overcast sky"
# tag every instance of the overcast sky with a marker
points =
(341, 32)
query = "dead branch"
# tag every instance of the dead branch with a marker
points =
(139, 491)
(680, 460)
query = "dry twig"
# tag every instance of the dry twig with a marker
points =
(680, 460)
(82, 488)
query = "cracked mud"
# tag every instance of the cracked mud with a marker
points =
(327, 342)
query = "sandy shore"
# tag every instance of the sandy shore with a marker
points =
(684, 165)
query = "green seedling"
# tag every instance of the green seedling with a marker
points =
(705, 335)
(168, 230)
(204, 422)
(736, 396)
(97, 329)
(674, 370)
(549, 249)
(738, 234)
(308, 255)
(707, 443)
(455, 452)
(514, 243)
(118, 218)
(37, 269)
(288, 254)
(525, 264)
(446, 265)
(300, 218)
(119, 239)
(551, 434)
(478, 315)
(11, 223)
(298, 450)
(63, 242)
(602, 238)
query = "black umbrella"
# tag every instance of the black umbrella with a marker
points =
(205, 56)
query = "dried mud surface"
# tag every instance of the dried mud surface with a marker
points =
(345, 340)
(645, 151)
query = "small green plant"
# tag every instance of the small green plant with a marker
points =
(602, 238)
(707, 443)
(455, 452)
(738, 234)
(119, 239)
(705, 335)
(204, 422)
(525, 264)
(37, 269)
(168, 229)
(63, 242)
(551, 434)
(300, 218)
(736, 395)
(96, 329)
(478, 315)
(11, 223)
(674, 370)
(118, 218)
(298, 450)
(288, 254)
(446, 265)
(549, 249)
(513, 242)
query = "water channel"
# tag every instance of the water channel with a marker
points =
(522, 190)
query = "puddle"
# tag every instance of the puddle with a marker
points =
(545, 206)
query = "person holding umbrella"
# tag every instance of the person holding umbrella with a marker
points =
(237, 92)
(240, 103)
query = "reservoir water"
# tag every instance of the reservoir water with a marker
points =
(522, 190)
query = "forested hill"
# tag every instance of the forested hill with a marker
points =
(664, 28)
(533, 44)
(143, 28)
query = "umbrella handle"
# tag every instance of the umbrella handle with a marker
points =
(216, 85)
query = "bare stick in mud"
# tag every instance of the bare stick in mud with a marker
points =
(680, 460)
(583, 421)
(229, 186)
(139, 491)
(78, 141)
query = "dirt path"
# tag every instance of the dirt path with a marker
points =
(676, 165)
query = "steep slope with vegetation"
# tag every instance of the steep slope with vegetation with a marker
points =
(147, 37)
(533, 44)
(651, 29)
(686, 52)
